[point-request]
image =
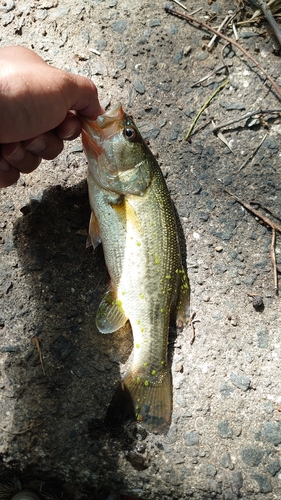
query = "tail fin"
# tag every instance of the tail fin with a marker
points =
(147, 402)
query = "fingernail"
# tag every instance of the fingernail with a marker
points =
(37, 145)
(70, 134)
(18, 153)
(4, 166)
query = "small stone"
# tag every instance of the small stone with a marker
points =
(235, 105)
(263, 338)
(203, 216)
(258, 304)
(191, 438)
(226, 390)
(178, 57)
(263, 482)
(209, 470)
(139, 87)
(120, 26)
(272, 432)
(226, 461)
(237, 480)
(174, 132)
(273, 467)
(251, 455)
(224, 430)
(202, 56)
(154, 22)
(10, 348)
(219, 249)
(240, 381)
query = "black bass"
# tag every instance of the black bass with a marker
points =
(133, 217)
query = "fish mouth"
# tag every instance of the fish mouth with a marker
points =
(94, 132)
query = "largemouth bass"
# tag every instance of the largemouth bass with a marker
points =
(133, 217)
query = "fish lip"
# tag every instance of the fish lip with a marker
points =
(94, 132)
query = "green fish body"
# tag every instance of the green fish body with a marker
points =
(133, 217)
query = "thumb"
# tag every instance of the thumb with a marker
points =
(82, 97)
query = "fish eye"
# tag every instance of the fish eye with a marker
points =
(129, 133)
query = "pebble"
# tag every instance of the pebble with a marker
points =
(174, 132)
(224, 431)
(10, 348)
(263, 338)
(251, 455)
(272, 432)
(209, 470)
(240, 381)
(7, 18)
(270, 143)
(237, 481)
(191, 438)
(273, 467)
(154, 22)
(263, 482)
(230, 106)
(120, 26)
(7, 6)
(226, 461)
(202, 56)
(178, 57)
(202, 216)
(139, 86)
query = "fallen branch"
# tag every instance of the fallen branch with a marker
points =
(201, 24)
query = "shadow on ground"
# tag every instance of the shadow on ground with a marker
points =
(58, 417)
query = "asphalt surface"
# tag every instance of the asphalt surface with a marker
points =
(225, 435)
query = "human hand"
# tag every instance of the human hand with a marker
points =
(35, 104)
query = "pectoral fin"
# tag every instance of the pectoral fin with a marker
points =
(94, 232)
(110, 315)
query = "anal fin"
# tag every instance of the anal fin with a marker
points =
(110, 316)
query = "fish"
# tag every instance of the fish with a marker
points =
(132, 215)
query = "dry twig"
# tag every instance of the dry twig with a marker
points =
(209, 75)
(258, 214)
(191, 323)
(251, 155)
(244, 117)
(270, 19)
(19, 433)
(274, 228)
(204, 107)
(273, 259)
(201, 24)
(37, 345)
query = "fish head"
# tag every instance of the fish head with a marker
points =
(118, 157)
